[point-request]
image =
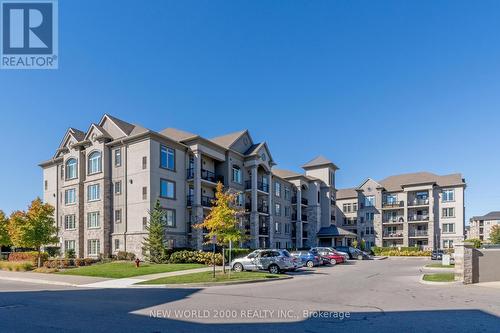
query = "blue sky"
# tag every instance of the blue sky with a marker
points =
(379, 87)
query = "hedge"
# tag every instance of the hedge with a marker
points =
(194, 257)
(402, 251)
(66, 263)
(16, 265)
(28, 256)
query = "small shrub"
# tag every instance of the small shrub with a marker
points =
(70, 254)
(195, 257)
(123, 255)
(53, 251)
(28, 256)
(16, 266)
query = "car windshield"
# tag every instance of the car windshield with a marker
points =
(285, 253)
(252, 255)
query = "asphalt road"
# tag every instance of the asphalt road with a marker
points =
(380, 296)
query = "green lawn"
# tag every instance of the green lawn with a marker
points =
(440, 277)
(207, 277)
(127, 269)
(440, 266)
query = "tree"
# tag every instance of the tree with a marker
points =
(34, 228)
(222, 222)
(475, 241)
(4, 233)
(362, 245)
(153, 244)
(355, 243)
(495, 234)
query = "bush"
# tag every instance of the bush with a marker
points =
(194, 257)
(53, 251)
(58, 263)
(123, 255)
(28, 256)
(402, 251)
(16, 266)
(70, 254)
(476, 242)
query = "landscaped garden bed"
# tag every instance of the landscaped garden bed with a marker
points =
(439, 277)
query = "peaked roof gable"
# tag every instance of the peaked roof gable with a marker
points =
(319, 161)
(71, 133)
(228, 140)
(123, 126)
(177, 134)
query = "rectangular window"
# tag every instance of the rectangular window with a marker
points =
(46, 185)
(70, 196)
(144, 223)
(277, 189)
(69, 222)
(287, 211)
(370, 201)
(448, 195)
(93, 247)
(144, 162)
(277, 209)
(236, 174)
(167, 158)
(69, 245)
(448, 212)
(94, 192)
(118, 216)
(144, 193)
(167, 189)
(287, 193)
(118, 187)
(93, 220)
(169, 217)
(448, 227)
(346, 208)
(239, 199)
(369, 216)
(170, 243)
(117, 244)
(355, 207)
(118, 157)
(277, 227)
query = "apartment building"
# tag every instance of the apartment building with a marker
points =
(416, 209)
(104, 181)
(480, 226)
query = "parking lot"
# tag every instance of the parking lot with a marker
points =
(381, 295)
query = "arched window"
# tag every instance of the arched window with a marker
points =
(95, 163)
(71, 166)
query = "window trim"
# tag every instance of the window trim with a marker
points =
(98, 220)
(174, 217)
(66, 203)
(175, 157)
(88, 162)
(448, 231)
(88, 192)
(114, 189)
(119, 151)
(448, 189)
(119, 210)
(65, 222)
(97, 247)
(175, 189)
(240, 173)
(447, 209)
(66, 169)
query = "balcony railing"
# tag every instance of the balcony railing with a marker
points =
(205, 175)
(189, 200)
(399, 219)
(304, 217)
(396, 204)
(415, 218)
(418, 233)
(260, 186)
(294, 217)
(264, 231)
(418, 202)
(303, 201)
(304, 234)
(261, 208)
(205, 201)
(398, 234)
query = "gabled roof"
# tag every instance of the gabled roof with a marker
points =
(177, 134)
(100, 129)
(334, 231)
(490, 216)
(77, 134)
(286, 173)
(125, 127)
(229, 139)
(346, 193)
(319, 161)
(367, 180)
(397, 182)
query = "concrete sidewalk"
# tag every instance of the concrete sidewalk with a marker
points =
(46, 278)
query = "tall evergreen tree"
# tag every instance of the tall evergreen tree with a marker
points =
(153, 244)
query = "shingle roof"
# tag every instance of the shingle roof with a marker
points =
(397, 182)
(286, 173)
(253, 149)
(319, 161)
(177, 134)
(346, 193)
(79, 135)
(228, 139)
(333, 231)
(490, 216)
(123, 125)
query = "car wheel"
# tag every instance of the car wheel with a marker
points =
(310, 264)
(333, 261)
(274, 269)
(238, 267)
(360, 257)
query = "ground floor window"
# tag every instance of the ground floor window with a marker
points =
(93, 247)
(69, 245)
(448, 243)
(278, 245)
(117, 244)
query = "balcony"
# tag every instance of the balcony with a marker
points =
(394, 204)
(397, 234)
(205, 201)
(303, 201)
(264, 231)
(205, 175)
(294, 217)
(304, 234)
(418, 233)
(399, 219)
(304, 217)
(260, 186)
(418, 218)
(418, 202)
(261, 208)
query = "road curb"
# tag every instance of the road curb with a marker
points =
(38, 281)
(212, 284)
(441, 269)
(421, 280)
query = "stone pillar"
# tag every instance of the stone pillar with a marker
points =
(271, 211)
(298, 224)
(196, 204)
(463, 262)
(254, 214)
(406, 226)
(430, 226)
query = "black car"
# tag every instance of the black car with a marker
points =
(437, 254)
(353, 252)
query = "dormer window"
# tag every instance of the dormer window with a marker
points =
(71, 166)
(95, 163)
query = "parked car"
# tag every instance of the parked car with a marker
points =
(331, 257)
(437, 254)
(354, 253)
(331, 249)
(274, 261)
(307, 258)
